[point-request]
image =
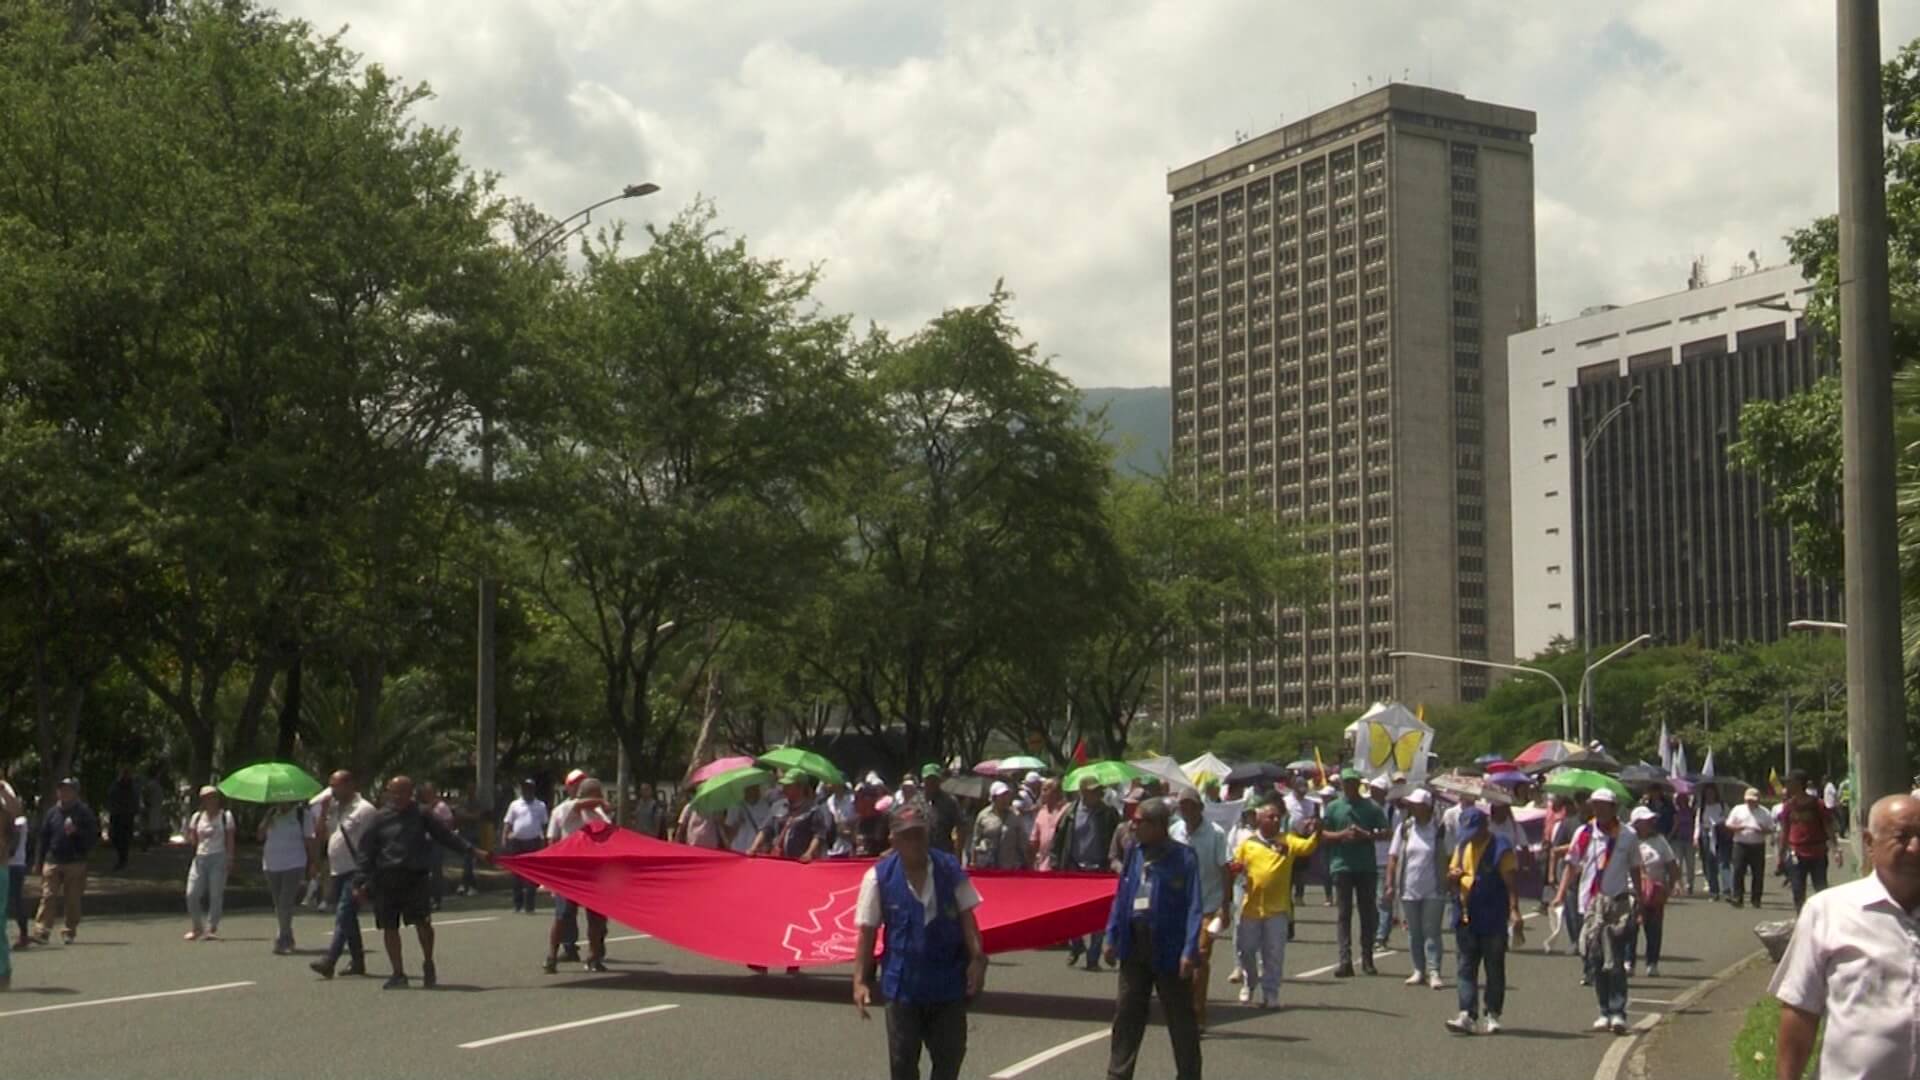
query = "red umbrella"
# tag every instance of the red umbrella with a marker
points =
(715, 768)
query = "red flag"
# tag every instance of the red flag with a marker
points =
(1080, 752)
(777, 912)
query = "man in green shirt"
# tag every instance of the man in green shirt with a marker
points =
(1351, 825)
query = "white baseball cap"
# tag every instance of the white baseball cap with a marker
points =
(1604, 795)
(1640, 814)
(1418, 797)
(998, 789)
(1378, 783)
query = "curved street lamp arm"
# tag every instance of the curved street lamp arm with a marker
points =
(1471, 662)
(559, 231)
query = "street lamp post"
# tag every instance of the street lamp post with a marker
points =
(1586, 686)
(485, 701)
(1471, 662)
(1586, 549)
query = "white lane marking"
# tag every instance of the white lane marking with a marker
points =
(1651, 1001)
(588, 1022)
(1045, 1056)
(129, 997)
(1317, 972)
(463, 922)
(630, 937)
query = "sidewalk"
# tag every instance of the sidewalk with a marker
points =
(1696, 1042)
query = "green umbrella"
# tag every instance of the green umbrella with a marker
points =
(792, 757)
(729, 789)
(1577, 781)
(1021, 763)
(270, 782)
(1109, 774)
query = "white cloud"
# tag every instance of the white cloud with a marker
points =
(920, 152)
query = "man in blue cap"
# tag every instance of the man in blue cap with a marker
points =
(1153, 934)
(934, 962)
(1482, 869)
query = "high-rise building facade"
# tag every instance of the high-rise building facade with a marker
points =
(1342, 291)
(1681, 546)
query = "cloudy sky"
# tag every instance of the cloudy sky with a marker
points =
(919, 151)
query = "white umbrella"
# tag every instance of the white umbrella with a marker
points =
(1205, 763)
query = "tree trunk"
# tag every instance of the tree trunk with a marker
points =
(290, 706)
(43, 723)
(369, 675)
(246, 737)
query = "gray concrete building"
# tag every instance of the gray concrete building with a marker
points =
(1342, 292)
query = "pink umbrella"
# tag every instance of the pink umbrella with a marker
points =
(987, 768)
(715, 768)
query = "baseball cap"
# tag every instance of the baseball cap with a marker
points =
(68, 781)
(998, 789)
(932, 768)
(205, 790)
(1471, 819)
(1349, 774)
(576, 776)
(907, 815)
(1752, 792)
(1378, 783)
(1604, 795)
(1419, 797)
(1640, 814)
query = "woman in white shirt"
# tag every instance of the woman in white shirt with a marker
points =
(283, 856)
(211, 834)
(1659, 873)
(1414, 861)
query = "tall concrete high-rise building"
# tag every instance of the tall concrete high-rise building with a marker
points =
(1342, 292)
(1681, 545)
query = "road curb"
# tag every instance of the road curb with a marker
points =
(1626, 1058)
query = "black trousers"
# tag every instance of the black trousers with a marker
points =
(1138, 981)
(1749, 859)
(941, 1029)
(1356, 891)
(1800, 871)
(120, 834)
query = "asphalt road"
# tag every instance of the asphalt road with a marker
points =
(130, 999)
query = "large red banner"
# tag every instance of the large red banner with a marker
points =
(781, 913)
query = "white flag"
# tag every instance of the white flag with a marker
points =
(1707, 768)
(1666, 749)
(1680, 759)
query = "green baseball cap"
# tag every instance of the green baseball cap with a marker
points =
(932, 768)
(1349, 774)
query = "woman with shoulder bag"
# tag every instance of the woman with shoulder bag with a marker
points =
(210, 831)
(283, 856)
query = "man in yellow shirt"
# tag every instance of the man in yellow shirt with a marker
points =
(1267, 859)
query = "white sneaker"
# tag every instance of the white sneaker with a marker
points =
(1433, 980)
(1620, 1025)
(1416, 979)
(1461, 1024)
(1603, 1023)
(1237, 976)
(1629, 967)
(1246, 994)
(1493, 1024)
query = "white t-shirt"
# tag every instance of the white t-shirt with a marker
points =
(526, 820)
(1750, 825)
(19, 858)
(286, 844)
(1831, 796)
(1655, 856)
(867, 911)
(1589, 850)
(208, 833)
(1417, 847)
(343, 844)
(572, 816)
(1301, 810)
(746, 821)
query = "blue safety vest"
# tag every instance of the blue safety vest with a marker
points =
(924, 963)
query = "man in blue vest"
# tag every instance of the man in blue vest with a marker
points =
(1153, 932)
(1482, 869)
(934, 962)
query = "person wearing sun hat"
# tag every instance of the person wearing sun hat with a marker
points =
(934, 962)
(1603, 865)
(1659, 875)
(999, 843)
(1352, 826)
(943, 811)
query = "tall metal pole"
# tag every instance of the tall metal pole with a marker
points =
(485, 745)
(1586, 589)
(1786, 713)
(1876, 705)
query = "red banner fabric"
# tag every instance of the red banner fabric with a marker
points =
(781, 913)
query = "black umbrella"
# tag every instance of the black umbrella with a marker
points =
(1256, 772)
(1646, 776)
(1731, 788)
(1585, 759)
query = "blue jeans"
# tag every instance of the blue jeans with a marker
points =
(1606, 965)
(1386, 910)
(1263, 951)
(346, 923)
(1425, 945)
(1475, 950)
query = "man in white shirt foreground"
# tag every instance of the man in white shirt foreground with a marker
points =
(1852, 961)
(343, 829)
(934, 961)
(1750, 823)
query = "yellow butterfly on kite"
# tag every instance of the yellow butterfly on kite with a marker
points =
(1381, 745)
